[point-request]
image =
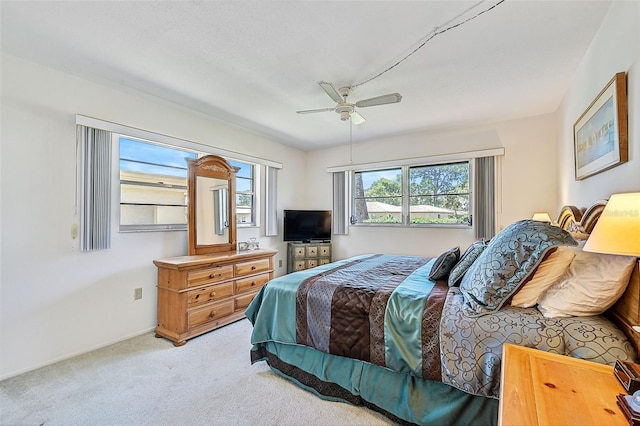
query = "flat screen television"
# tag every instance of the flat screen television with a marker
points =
(307, 225)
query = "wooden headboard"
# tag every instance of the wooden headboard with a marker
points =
(626, 312)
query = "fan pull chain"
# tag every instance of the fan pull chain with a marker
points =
(350, 141)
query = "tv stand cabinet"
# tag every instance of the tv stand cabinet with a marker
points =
(302, 256)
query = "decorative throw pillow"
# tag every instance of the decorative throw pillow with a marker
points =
(468, 257)
(510, 257)
(550, 270)
(591, 285)
(444, 263)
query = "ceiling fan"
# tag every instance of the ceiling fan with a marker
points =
(347, 110)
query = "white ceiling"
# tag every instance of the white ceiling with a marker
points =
(255, 63)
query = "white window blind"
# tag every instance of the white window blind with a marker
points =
(340, 205)
(485, 197)
(271, 207)
(94, 151)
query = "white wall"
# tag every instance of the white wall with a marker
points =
(528, 181)
(55, 301)
(615, 48)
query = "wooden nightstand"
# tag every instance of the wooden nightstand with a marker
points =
(541, 388)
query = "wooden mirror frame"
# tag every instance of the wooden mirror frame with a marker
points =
(211, 166)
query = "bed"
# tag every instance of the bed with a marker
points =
(420, 339)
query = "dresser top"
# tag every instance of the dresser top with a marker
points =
(180, 262)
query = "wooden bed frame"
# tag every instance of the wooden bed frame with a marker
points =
(626, 312)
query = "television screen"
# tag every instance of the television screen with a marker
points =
(307, 225)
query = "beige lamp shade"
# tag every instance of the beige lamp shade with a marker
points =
(541, 217)
(618, 228)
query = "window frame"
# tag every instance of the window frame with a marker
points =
(405, 221)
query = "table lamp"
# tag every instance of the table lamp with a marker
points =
(541, 217)
(618, 232)
(618, 228)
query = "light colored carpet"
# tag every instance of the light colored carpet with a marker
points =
(148, 381)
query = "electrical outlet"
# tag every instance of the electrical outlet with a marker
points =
(280, 263)
(137, 293)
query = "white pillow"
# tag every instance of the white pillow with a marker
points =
(550, 270)
(591, 285)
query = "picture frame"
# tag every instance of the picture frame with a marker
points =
(600, 134)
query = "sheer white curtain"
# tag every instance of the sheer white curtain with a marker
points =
(484, 215)
(94, 161)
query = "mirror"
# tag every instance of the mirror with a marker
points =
(212, 218)
(211, 191)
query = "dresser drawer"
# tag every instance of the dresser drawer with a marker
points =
(243, 301)
(210, 275)
(209, 294)
(252, 267)
(251, 284)
(210, 313)
(298, 251)
(299, 265)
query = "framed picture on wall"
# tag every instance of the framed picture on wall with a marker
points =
(600, 134)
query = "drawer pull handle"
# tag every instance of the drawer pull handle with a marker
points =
(253, 268)
(213, 294)
(215, 275)
(212, 314)
(253, 283)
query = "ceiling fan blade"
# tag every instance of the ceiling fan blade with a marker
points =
(331, 91)
(380, 100)
(356, 118)
(309, 111)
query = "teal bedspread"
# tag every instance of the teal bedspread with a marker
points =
(373, 330)
(395, 369)
(381, 309)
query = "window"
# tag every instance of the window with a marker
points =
(439, 194)
(245, 193)
(413, 195)
(377, 196)
(153, 186)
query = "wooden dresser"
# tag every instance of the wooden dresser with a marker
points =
(199, 293)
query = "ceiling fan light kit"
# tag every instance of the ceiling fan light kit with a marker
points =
(347, 110)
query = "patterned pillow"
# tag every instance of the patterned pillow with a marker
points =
(468, 257)
(444, 263)
(506, 263)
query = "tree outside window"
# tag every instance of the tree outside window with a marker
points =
(430, 194)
